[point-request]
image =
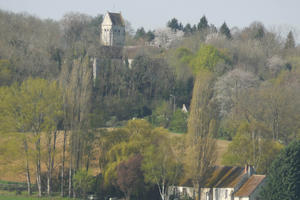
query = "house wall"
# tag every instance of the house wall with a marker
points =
(241, 198)
(180, 191)
(206, 194)
(223, 193)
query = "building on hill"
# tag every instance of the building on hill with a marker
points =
(113, 30)
(223, 183)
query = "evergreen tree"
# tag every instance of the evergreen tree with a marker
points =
(150, 36)
(225, 30)
(284, 175)
(203, 24)
(140, 33)
(187, 29)
(213, 28)
(290, 41)
(180, 26)
(194, 28)
(173, 24)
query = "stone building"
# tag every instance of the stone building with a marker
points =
(113, 30)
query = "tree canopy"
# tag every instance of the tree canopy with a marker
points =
(284, 175)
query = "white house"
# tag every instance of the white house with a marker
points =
(222, 184)
(113, 30)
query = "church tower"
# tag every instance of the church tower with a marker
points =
(113, 30)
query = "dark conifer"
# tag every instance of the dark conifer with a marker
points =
(225, 30)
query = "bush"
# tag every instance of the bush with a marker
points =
(179, 122)
(83, 183)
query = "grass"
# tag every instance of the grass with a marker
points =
(13, 197)
(11, 182)
(6, 195)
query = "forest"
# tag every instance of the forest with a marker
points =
(125, 134)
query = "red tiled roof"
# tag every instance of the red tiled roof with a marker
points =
(251, 184)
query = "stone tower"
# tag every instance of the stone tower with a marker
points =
(113, 30)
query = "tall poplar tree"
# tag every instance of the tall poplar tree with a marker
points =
(202, 125)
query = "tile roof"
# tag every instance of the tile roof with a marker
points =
(116, 19)
(221, 177)
(225, 177)
(250, 186)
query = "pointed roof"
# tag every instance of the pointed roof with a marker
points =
(222, 177)
(116, 19)
(225, 177)
(250, 186)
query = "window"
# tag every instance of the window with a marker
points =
(226, 194)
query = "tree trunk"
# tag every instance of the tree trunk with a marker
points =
(38, 167)
(70, 176)
(27, 167)
(199, 192)
(51, 154)
(49, 164)
(52, 160)
(63, 165)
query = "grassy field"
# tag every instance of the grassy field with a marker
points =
(7, 195)
(14, 171)
(11, 197)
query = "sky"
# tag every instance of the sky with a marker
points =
(155, 13)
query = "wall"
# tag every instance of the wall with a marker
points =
(180, 191)
(223, 193)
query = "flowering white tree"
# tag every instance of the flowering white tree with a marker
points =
(165, 37)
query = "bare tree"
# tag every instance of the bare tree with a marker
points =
(77, 80)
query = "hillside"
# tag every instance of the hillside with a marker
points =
(13, 171)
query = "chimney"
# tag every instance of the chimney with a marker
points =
(246, 169)
(250, 170)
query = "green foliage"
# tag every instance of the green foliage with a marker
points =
(284, 175)
(184, 54)
(207, 58)
(83, 183)
(160, 165)
(132, 140)
(11, 197)
(179, 122)
(33, 106)
(6, 73)
(245, 148)
(162, 115)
